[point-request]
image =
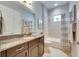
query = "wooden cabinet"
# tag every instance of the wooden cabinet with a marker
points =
(41, 50)
(33, 48)
(33, 51)
(0, 54)
(3, 54)
(15, 50)
(22, 54)
(41, 47)
(33, 42)
(36, 48)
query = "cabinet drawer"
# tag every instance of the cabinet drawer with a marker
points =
(33, 42)
(23, 54)
(15, 50)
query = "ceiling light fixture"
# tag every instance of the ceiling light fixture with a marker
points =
(28, 2)
(55, 4)
(24, 1)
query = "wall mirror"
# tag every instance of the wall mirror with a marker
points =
(1, 22)
(29, 23)
(14, 22)
(40, 25)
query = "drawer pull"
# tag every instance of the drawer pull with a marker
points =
(20, 49)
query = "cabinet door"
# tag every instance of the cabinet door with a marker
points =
(0, 54)
(23, 54)
(41, 49)
(33, 51)
(41, 46)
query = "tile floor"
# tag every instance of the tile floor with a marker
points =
(53, 52)
(53, 48)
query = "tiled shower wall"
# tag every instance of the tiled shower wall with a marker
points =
(54, 29)
(61, 30)
(65, 24)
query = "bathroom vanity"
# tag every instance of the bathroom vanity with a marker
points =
(23, 47)
(14, 23)
(0, 54)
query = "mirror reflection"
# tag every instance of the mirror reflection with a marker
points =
(13, 21)
(1, 22)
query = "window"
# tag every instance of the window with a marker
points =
(57, 18)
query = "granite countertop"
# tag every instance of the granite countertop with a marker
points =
(6, 44)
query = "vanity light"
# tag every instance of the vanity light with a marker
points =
(55, 4)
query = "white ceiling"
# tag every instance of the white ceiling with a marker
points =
(50, 4)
